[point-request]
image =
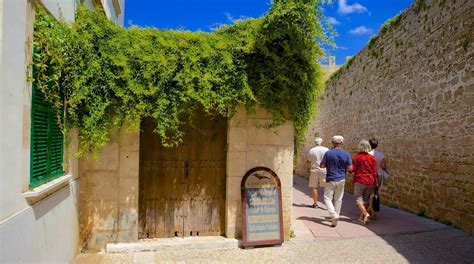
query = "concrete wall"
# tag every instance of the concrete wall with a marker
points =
(45, 229)
(111, 12)
(40, 225)
(65, 9)
(414, 90)
(109, 185)
(250, 146)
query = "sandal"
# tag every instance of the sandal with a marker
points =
(366, 219)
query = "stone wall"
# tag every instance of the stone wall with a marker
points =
(108, 193)
(108, 196)
(301, 165)
(250, 146)
(414, 91)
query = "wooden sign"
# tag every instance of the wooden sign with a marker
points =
(261, 208)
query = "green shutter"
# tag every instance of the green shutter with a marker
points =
(56, 147)
(47, 140)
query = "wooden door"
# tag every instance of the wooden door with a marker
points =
(182, 189)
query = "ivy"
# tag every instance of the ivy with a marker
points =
(106, 76)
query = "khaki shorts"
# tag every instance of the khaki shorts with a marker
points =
(363, 192)
(316, 179)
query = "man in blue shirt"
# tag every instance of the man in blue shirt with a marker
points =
(337, 162)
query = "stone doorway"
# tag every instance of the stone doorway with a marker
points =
(182, 190)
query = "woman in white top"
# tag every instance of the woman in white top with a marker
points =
(381, 170)
(381, 162)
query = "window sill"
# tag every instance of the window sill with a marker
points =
(44, 190)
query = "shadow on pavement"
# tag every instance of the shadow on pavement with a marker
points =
(418, 239)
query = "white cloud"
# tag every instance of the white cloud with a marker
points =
(336, 47)
(361, 31)
(333, 21)
(345, 9)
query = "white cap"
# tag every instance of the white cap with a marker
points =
(318, 141)
(337, 139)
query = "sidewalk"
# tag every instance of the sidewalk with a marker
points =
(389, 221)
(397, 237)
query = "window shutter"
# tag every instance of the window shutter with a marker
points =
(56, 147)
(39, 139)
(47, 140)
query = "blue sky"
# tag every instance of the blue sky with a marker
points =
(354, 21)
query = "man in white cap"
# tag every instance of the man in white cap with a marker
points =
(337, 162)
(317, 175)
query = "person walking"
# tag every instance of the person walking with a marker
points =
(365, 178)
(382, 164)
(317, 175)
(382, 170)
(337, 162)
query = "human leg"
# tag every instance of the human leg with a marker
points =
(313, 184)
(328, 196)
(338, 194)
(359, 192)
(315, 197)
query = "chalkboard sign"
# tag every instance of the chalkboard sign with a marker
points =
(261, 208)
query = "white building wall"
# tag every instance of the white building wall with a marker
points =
(111, 13)
(46, 230)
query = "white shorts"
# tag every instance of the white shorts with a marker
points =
(317, 178)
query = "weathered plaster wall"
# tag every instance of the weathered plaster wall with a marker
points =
(250, 146)
(414, 90)
(108, 197)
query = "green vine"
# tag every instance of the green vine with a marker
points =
(107, 76)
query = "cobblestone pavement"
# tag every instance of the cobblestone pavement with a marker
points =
(397, 237)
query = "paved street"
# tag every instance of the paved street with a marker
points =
(396, 237)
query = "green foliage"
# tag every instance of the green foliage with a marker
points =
(111, 76)
(390, 23)
(372, 41)
(292, 233)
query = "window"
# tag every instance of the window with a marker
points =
(46, 161)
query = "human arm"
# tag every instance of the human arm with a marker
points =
(350, 164)
(384, 164)
(375, 170)
(323, 162)
(350, 168)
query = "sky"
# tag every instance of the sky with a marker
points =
(355, 21)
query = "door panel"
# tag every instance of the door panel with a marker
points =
(182, 189)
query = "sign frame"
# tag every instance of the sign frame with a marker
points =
(245, 242)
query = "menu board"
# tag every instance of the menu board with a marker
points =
(261, 208)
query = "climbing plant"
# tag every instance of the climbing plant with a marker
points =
(106, 76)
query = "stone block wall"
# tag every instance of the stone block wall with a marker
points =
(250, 146)
(413, 89)
(108, 193)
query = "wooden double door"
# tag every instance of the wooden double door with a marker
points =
(182, 189)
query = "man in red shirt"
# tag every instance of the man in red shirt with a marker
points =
(365, 177)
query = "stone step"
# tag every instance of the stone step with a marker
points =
(176, 243)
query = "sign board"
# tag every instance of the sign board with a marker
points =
(261, 208)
